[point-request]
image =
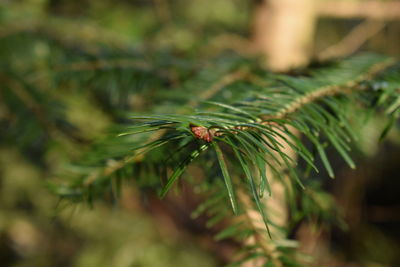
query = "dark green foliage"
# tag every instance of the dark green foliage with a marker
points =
(254, 131)
(244, 118)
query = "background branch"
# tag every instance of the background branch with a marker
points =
(381, 10)
(354, 40)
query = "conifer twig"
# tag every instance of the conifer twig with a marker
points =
(36, 108)
(254, 220)
(214, 89)
(315, 95)
(310, 97)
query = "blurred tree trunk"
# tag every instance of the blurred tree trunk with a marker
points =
(283, 32)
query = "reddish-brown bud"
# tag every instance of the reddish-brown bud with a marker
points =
(201, 132)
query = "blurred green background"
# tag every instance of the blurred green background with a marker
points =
(37, 229)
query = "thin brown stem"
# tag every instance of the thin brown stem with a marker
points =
(353, 40)
(387, 10)
(220, 84)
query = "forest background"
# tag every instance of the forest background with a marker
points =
(170, 39)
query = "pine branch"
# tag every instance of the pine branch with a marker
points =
(253, 219)
(140, 153)
(20, 90)
(315, 95)
(232, 119)
(264, 128)
(249, 135)
(347, 88)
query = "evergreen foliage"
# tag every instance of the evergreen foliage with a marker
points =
(227, 115)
